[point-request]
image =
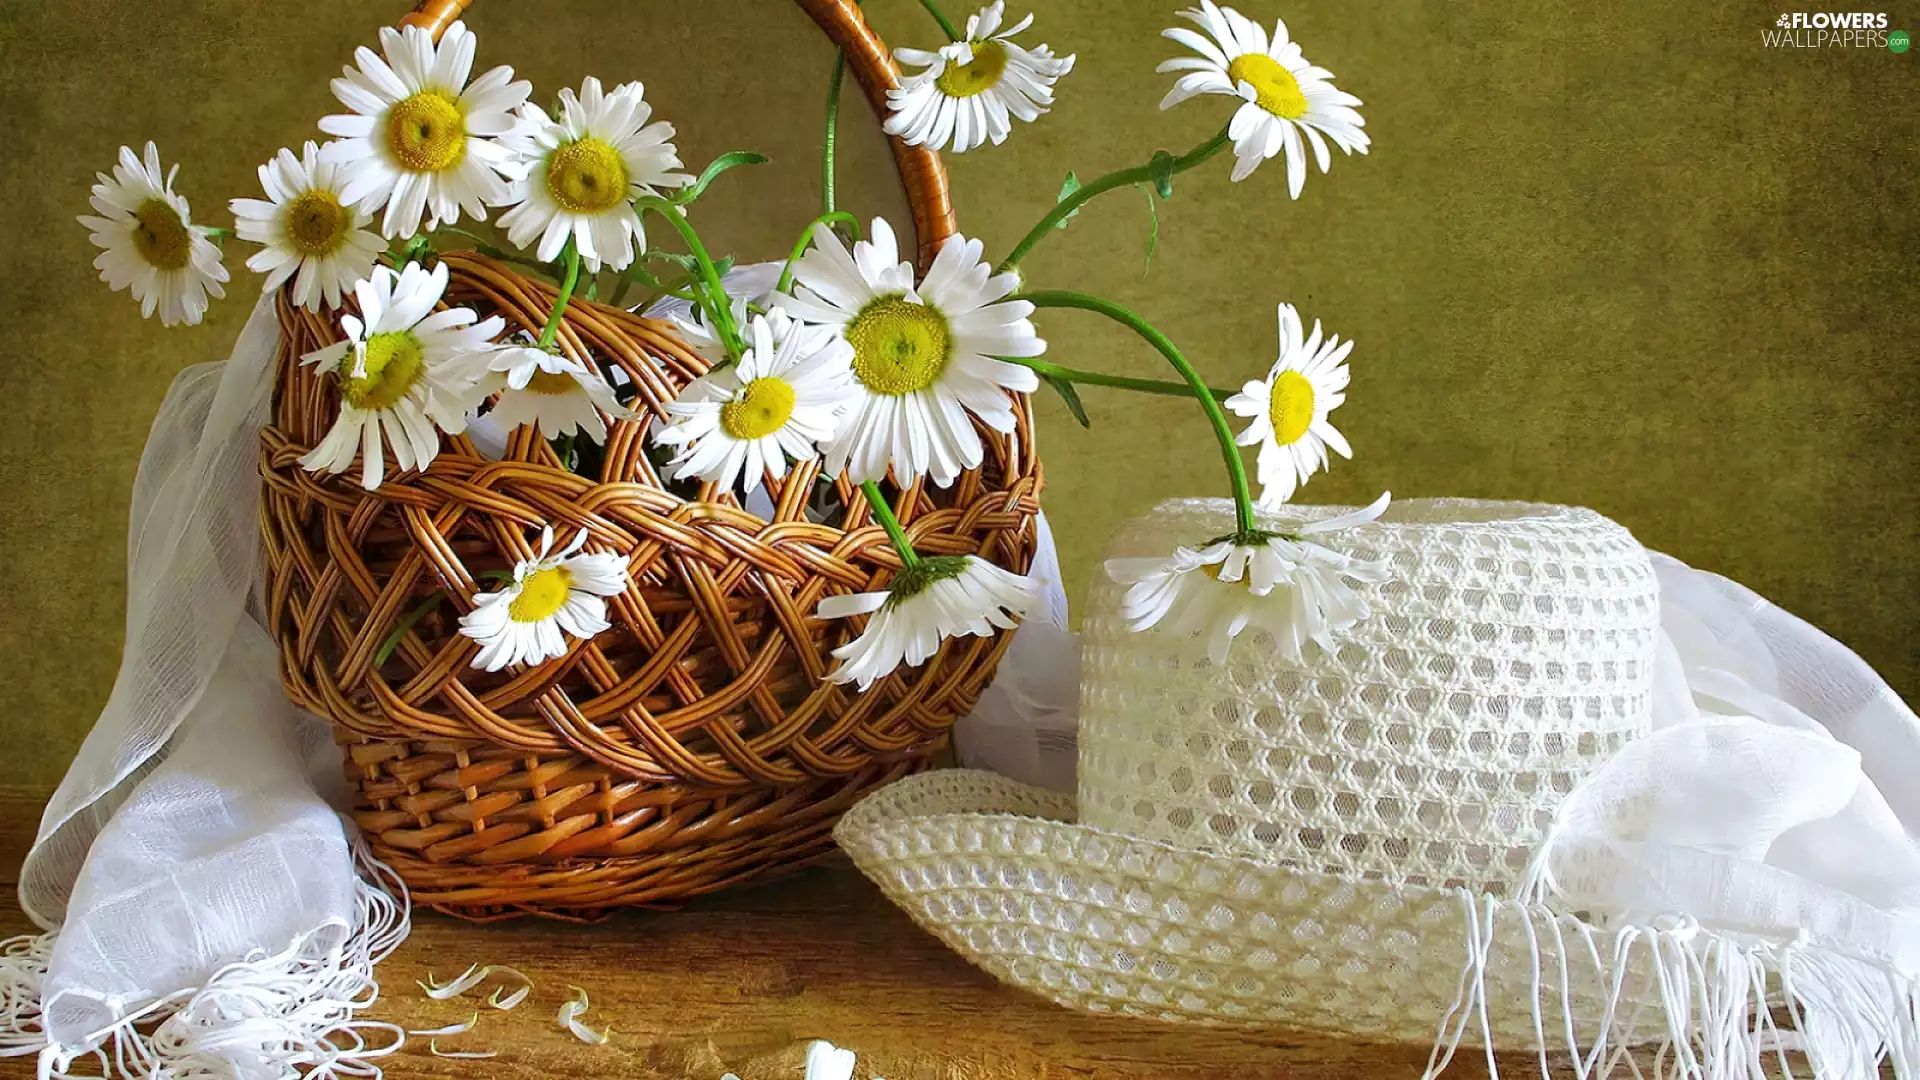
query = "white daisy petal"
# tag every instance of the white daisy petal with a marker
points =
(964, 93)
(401, 368)
(792, 387)
(944, 597)
(921, 353)
(1293, 589)
(576, 174)
(556, 394)
(551, 597)
(1290, 408)
(149, 244)
(417, 144)
(1290, 105)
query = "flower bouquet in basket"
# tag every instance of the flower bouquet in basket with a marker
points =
(620, 569)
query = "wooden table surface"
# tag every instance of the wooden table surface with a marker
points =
(743, 980)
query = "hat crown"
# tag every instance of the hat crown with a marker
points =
(1508, 656)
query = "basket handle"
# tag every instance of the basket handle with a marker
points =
(921, 171)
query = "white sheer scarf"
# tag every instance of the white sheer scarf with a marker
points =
(203, 910)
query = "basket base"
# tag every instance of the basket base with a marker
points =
(709, 842)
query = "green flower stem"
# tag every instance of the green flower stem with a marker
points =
(492, 251)
(481, 243)
(1118, 382)
(1139, 174)
(833, 123)
(425, 608)
(620, 286)
(552, 330)
(641, 274)
(800, 245)
(890, 523)
(1236, 468)
(715, 292)
(946, 24)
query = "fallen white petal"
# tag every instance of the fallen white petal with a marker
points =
(433, 1047)
(570, 1011)
(460, 984)
(587, 1035)
(473, 977)
(510, 1000)
(451, 1029)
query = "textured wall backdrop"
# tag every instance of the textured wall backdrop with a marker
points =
(1616, 254)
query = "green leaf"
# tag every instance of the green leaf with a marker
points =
(1161, 169)
(1072, 397)
(1153, 236)
(406, 623)
(720, 164)
(1071, 185)
(725, 264)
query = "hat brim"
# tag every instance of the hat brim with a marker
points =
(1105, 923)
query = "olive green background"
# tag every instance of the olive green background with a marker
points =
(1615, 254)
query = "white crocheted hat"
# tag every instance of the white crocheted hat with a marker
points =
(1350, 842)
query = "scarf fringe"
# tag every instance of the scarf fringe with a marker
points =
(284, 1015)
(1714, 999)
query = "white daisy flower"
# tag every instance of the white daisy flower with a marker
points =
(941, 597)
(923, 355)
(419, 140)
(149, 244)
(551, 595)
(304, 226)
(556, 393)
(404, 368)
(1285, 97)
(969, 89)
(579, 175)
(1289, 408)
(781, 401)
(1294, 589)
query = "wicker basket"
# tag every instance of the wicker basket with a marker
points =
(692, 746)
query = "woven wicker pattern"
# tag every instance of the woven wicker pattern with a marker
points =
(1510, 653)
(709, 682)
(692, 745)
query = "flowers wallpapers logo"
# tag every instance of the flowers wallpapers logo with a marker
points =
(1831, 29)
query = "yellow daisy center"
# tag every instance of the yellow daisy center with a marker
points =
(1274, 87)
(587, 176)
(898, 347)
(316, 223)
(541, 594)
(1290, 408)
(552, 383)
(394, 362)
(761, 409)
(160, 236)
(427, 132)
(977, 76)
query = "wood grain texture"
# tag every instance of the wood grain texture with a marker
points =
(741, 982)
